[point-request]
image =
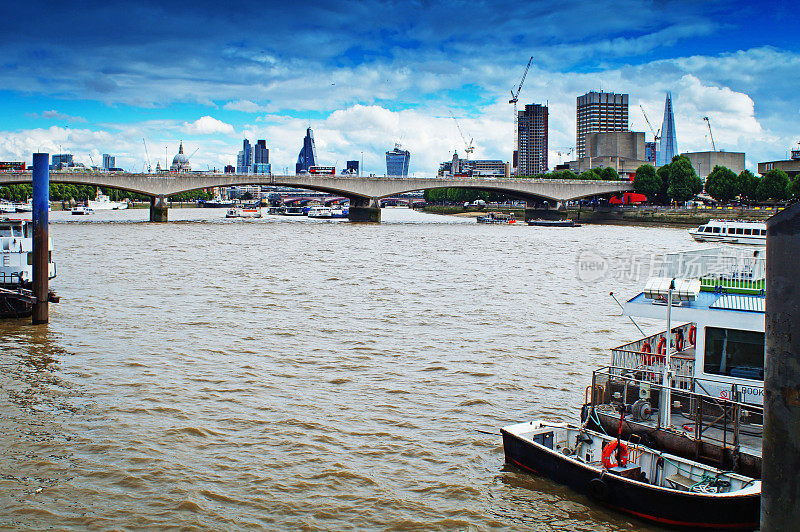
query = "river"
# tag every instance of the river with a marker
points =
(301, 374)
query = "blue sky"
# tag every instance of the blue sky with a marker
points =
(97, 77)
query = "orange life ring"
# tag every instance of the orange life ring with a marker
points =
(679, 341)
(662, 344)
(608, 451)
(646, 347)
(646, 358)
(692, 334)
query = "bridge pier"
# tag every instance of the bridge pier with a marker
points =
(365, 210)
(534, 211)
(158, 209)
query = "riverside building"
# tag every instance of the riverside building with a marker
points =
(532, 136)
(308, 154)
(599, 112)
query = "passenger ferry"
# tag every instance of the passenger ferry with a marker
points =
(732, 232)
(81, 210)
(16, 269)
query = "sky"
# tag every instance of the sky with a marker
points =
(99, 77)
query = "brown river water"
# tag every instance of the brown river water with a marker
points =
(295, 374)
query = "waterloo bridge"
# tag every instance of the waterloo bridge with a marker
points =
(364, 193)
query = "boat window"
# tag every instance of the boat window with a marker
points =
(5, 230)
(763, 232)
(748, 231)
(708, 230)
(734, 353)
(716, 229)
(739, 231)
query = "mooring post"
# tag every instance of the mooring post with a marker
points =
(780, 489)
(41, 237)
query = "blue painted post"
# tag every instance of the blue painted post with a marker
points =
(41, 237)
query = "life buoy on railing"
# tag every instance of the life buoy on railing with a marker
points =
(662, 344)
(621, 458)
(646, 358)
(692, 334)
(679, 341)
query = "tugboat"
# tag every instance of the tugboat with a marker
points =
(16, 274)
(692, 398)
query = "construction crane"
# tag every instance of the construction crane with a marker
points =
(468, 146)
(713, 146)
(655, 133)
(146, 157)
(192, 155)
(514, 99)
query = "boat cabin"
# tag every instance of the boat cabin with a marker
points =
(16, 253)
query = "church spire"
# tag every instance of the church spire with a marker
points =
(180, 150)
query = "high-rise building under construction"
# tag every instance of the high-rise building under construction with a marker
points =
(599, 112)
(532, 129)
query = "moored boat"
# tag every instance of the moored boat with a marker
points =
(732, 232)
(632, 478)
(552, 223)
(16, 274)
(101, 202)
(497, 218)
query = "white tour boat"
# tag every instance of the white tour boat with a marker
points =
(101, 202)
(244, 212)
(7, 207)
(16, 269)
(732, 232)
(321, 211)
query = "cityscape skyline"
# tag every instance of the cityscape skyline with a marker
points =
(361, 88)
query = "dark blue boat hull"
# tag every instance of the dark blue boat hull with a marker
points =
(665, 507)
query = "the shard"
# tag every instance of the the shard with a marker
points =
(668, 145)
(308, 155)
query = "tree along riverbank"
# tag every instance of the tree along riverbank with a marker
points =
(626, 215)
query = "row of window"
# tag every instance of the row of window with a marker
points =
(732, 231)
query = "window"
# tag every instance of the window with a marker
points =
(748, 231)
(708, 229)
(734, 353)
(739, 231)
(763, 232)
(716, 229)
(5, 230)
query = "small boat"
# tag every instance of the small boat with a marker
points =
(24, 207)
(632, 478)
(732, 232)
(244, 212)
(216, 203)
(81, 210)
(294, 211)
(553, 223)
(7, 207)
(327, 212)
(497, 218)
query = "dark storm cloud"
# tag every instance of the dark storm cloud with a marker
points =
(153, 53)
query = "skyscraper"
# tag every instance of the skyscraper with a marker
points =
(244, 161)
(261, 158)
(668, 145)
(109, 162)
(308, 154)
(532, 139)
(397, 162)
(599, 112)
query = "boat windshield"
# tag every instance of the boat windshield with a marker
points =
(10, 230)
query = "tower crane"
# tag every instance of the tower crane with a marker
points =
(192, 155)
(713, 146)
(514, 99)
(468, 146)
(146, 157)
(655, 133)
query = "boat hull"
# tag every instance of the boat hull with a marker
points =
(665, 507)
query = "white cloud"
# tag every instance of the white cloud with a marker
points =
(208, 125)
(243, 105)
(56, 115)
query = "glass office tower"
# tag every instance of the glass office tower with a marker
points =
(308, 154)
(397, 162)
(668, 145)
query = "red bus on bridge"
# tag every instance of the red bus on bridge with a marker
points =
(322, 170)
